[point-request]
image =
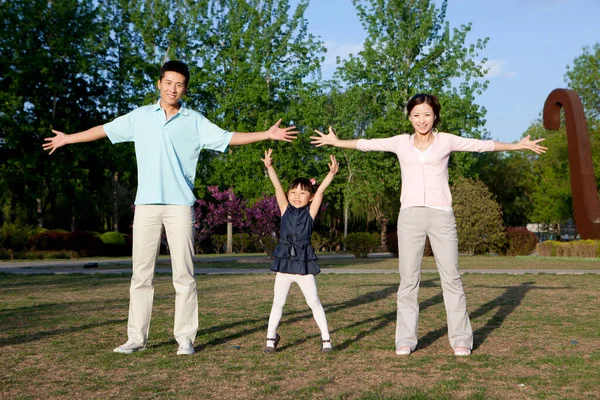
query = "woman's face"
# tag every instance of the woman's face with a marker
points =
(422, 118)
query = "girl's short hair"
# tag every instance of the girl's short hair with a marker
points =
(304, 183)
(428, 99)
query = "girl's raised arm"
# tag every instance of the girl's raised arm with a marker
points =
(318, 197)
(279, 192)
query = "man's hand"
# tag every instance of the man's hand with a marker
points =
(53, 143)
(285, 134)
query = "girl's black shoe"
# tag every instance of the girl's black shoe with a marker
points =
(275, 341)
(326, 349)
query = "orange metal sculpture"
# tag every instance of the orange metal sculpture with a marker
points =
(586, 205)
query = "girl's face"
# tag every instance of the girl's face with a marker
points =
(422, 118)
(299, 197)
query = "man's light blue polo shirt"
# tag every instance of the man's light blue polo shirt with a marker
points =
(167, 151)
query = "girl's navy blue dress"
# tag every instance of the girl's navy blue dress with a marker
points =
(294, 254)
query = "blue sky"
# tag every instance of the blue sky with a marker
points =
(531, 42)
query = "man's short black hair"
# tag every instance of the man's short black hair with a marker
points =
(176, 66)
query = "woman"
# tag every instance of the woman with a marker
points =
(426, 211)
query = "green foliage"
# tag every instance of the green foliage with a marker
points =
(242, 243)
(218, 241)
(584, 78)
(409, 49)
(551, 196)
(113, 238)
(15, 236)
(361, 243)
(318, 241)
(478, 218)
(510, 177)
(259, 61)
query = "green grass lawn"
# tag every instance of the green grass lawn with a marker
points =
(536, 336)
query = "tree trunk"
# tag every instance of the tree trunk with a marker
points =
(229, 237)
(383, 223)
(115, 202)
(39, 213)
(345, 225)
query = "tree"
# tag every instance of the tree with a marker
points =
(510, 177)
(409, 49)
(258, 59)
(478, 218)
(224, 208)
(584, 78)
(49, 77)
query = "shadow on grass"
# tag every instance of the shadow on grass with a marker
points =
(31, 337)
(33, 320)
(12, 281)
(390, 317)
(505, 304)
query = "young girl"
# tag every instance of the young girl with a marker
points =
(294, 256)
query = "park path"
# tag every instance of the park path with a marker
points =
(163, 266)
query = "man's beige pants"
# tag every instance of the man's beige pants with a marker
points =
(148, 221)
(414, 224)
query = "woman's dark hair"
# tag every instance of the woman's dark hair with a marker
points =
(428, 99)
(304, 183)
(175, 66)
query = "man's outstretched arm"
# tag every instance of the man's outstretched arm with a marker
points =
(274, 133)
(60, 139)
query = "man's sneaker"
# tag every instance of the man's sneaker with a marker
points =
(129, 347)
(186, 350)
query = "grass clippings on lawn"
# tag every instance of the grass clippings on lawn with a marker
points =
(536, 336)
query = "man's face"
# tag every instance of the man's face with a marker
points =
(172, 87)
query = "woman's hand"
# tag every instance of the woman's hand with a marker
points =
(527, 144)
(330, 139)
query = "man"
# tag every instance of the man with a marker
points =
(168, 138)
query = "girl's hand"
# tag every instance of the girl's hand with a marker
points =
(334, 167)
(330, 140)
(527, 144)
(268, 160)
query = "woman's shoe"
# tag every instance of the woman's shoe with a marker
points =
(326, 349)
(462, 351)
(273, 349)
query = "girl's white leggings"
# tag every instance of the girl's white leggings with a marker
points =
(308, 285)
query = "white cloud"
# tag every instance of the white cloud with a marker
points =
(342, 50)
(496, 68)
